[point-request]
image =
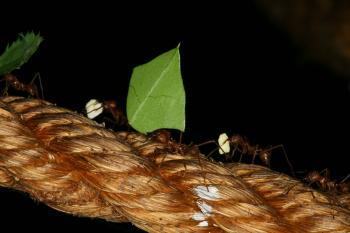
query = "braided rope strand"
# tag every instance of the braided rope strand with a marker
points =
(75, 165)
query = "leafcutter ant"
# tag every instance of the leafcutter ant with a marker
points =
(31, 88)
(323, 181)
(243, 146)
(94, 108)
(163, 136)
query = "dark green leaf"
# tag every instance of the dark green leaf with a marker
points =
(19, 52)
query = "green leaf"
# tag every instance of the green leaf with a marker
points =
(156, 96)
(19, 52)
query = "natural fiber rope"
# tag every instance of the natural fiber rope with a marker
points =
(76, 166)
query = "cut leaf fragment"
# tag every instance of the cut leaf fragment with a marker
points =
(19, 52)
(224, 144)
(156, 96)
(93, 108)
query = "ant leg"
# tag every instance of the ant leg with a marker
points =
(203, 174)
(37, 76)
(286, 157)
(156, 152)
(112, 122)
(211, 152)
(6, 88)
(343, 180)
(312, 193)
(5, 91)
(240, 156)
(289, 189)
(254, 156)
(206, 143)
(326, 173)
(232, 155)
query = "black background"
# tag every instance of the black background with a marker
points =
(241, 73)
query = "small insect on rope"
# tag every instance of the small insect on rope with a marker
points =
(325, 183)
(30, 88)
(94, 108)
(243, 147)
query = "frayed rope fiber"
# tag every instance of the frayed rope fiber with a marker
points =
(75, 165)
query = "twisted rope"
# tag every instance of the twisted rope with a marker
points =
(77, 166)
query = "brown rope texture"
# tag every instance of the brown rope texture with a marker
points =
(77, 166)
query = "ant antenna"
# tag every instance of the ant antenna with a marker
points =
(286, 157)
(209, 142)
(347, 177)
(37, 76)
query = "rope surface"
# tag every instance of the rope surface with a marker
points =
(75, 165)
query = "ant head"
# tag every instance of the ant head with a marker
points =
(110, 104)
(161, 136)
(235, 139)
(10, 77)
(313, 176)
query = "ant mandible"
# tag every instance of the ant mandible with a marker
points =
(13, 81)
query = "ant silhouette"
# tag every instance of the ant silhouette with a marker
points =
(30, 88)
(163, 136)
(243, 146)
(94, 108)
(325, 183)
